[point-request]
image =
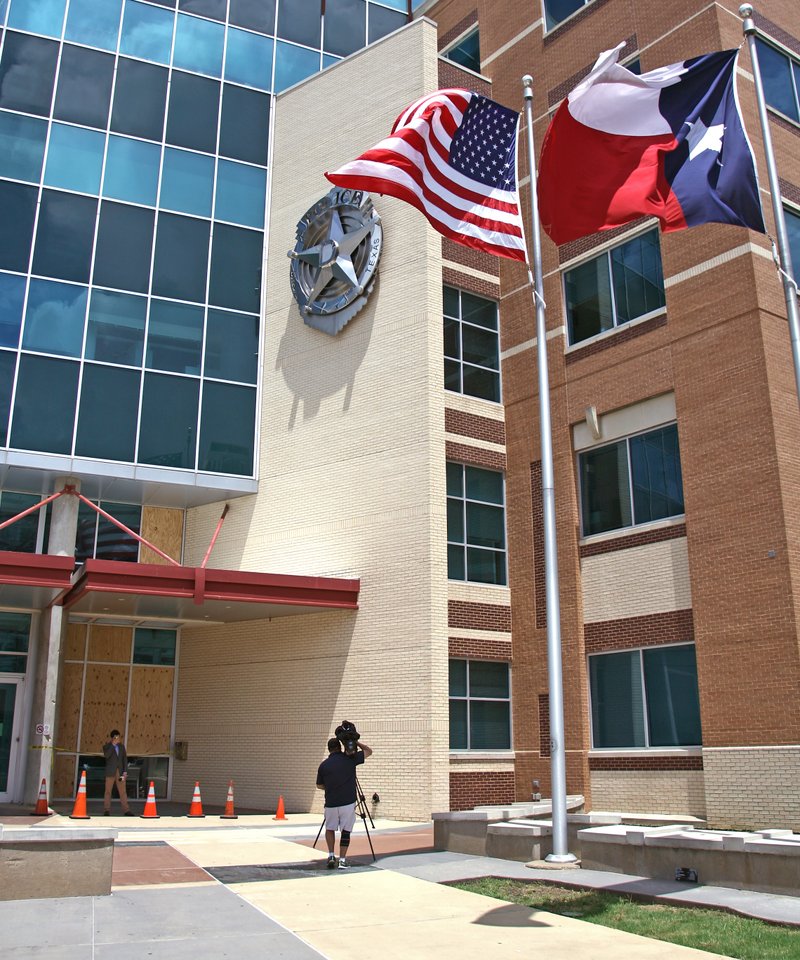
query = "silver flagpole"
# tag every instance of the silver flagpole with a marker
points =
(786, 270)
(558, 770)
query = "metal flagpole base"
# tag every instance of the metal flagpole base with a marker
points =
(557, 858)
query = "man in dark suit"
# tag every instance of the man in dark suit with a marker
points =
(116, 773)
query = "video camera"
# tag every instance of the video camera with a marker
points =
(348, 736)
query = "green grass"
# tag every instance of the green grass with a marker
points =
(711, 930)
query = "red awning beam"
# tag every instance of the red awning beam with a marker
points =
(216, 534)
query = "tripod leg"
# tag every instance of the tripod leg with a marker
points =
(314, 845)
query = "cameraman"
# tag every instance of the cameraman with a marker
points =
(337, 777)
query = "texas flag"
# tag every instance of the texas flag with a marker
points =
(668, 144)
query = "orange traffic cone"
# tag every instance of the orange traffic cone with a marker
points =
(150, 811)
(229, 814)
(41, 809)
(79, 809)
(281, 814)
(196, 809)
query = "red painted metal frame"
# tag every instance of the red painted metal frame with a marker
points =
(36, 569)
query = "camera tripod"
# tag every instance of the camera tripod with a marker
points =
(362, 810)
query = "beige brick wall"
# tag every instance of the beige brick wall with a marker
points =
(352, 483)
(753, 788)
(649, 791)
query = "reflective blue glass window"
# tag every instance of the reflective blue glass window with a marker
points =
(793, 229)
(54, 318)
(169, 441)
(18, 204)
(345, 26)
(383, 21)
(249, 59)
(299, 20)
(293, 64)
(236, 268)
(181, 260)
(27, 73)
(174, 337)
(108, 413)
(193, 109)
(328, 60)
(74, 158)
(253, 14)
(244, 129)
(21, 536)
(198, 45)
(241, 193)
(8, 364)
(231, 346)
(140, 95)
(21, 146)
(187, 182)
(399, 4)
(124, 247)
(44, 407)
(64, 236)
(85, 78)
(131, 170)
(12, 295)
(94, 22)
(227, 429)
(146, 32)
(115, 331)
(214, 9)
(37, 16)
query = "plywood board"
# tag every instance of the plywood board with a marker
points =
(75, 644)
(109, 644)
(163, 527)
(69, 707)
(150, 719)
(105, 700)
(63, 776)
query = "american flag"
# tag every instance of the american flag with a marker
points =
(452, 155)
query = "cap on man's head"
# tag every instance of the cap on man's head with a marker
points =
(333, 745)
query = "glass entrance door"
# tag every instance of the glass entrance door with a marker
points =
(9, 735)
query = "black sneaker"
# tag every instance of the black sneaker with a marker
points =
(331, 862)
(106, 813)
(129, 813)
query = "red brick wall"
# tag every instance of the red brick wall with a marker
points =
(476, 788)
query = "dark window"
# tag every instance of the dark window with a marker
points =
(471, 345)
(192, 113)
(227, 429)
(12, 294)
(383, 21)
(781, 77)
(236, 268)
(8, 364)
(169, 439)
(84, 86)
(154, 646)
(244, 131)
(124, 244)
(231, 346)
(645, 698)
(558, 10)
(299, 20)
(253, 14)
(18, 204)
(27, 73)
(100, 538)
(213, 9)
(116, 327)
(174, 337)
(793, 229)
(140, 97)
(108, 411)
(467, 52)
(181, 259)
(345, 26)
(54, 318)
(480, 705)
(21, 146)
(20, 535)
(64, 236)
(476, 536)
(15, 629)
(44, 409)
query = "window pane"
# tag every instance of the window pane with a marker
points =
(485, 526)
(44, 411)
(37, 16)
(169, 441)
(244, 128)
(74, 159)
(489, 726)
(488, 679)
(154, 646)
(15, 628)
(452, 375)
(198, 45)
(27, 73)
(793, 229)
(467, 52)
(486, 566)
(481, 383)
(249, 59)
(21, 146)
(231, 346)
(480, 346)
(486, 485)
(617, 708)
(227, 429)
(638, 279)
(86, 533)
(588, 295)
(192, 114)
(140, 95)
(181, 258)
(20, 536)
(85, 78)
(18, 204)
(215, 9)
(456, 563)
(187, 182)
(116, 328)
(383, 21)
(94, 22)
(657, 480)
(558, 10)
(112, 542)
(175, 336)
(299, 20)
(479, 311)
(64, 236)
(458, 725)
(458, 678)
(450, 302)
(10, 664)
(241, 193)
(254, 14)
(455, 520)
(146, 32)
(452, 338)
(8, 365)
(777, 79)
(12, 294)
(124, 243)
(131, 170)
(605, 494)
(107, 430)
(54, 318)
(293, 64)
(673, 703)
(345, 26)
(236, 268)
(455, 480)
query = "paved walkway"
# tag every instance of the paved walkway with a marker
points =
(256, 888)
